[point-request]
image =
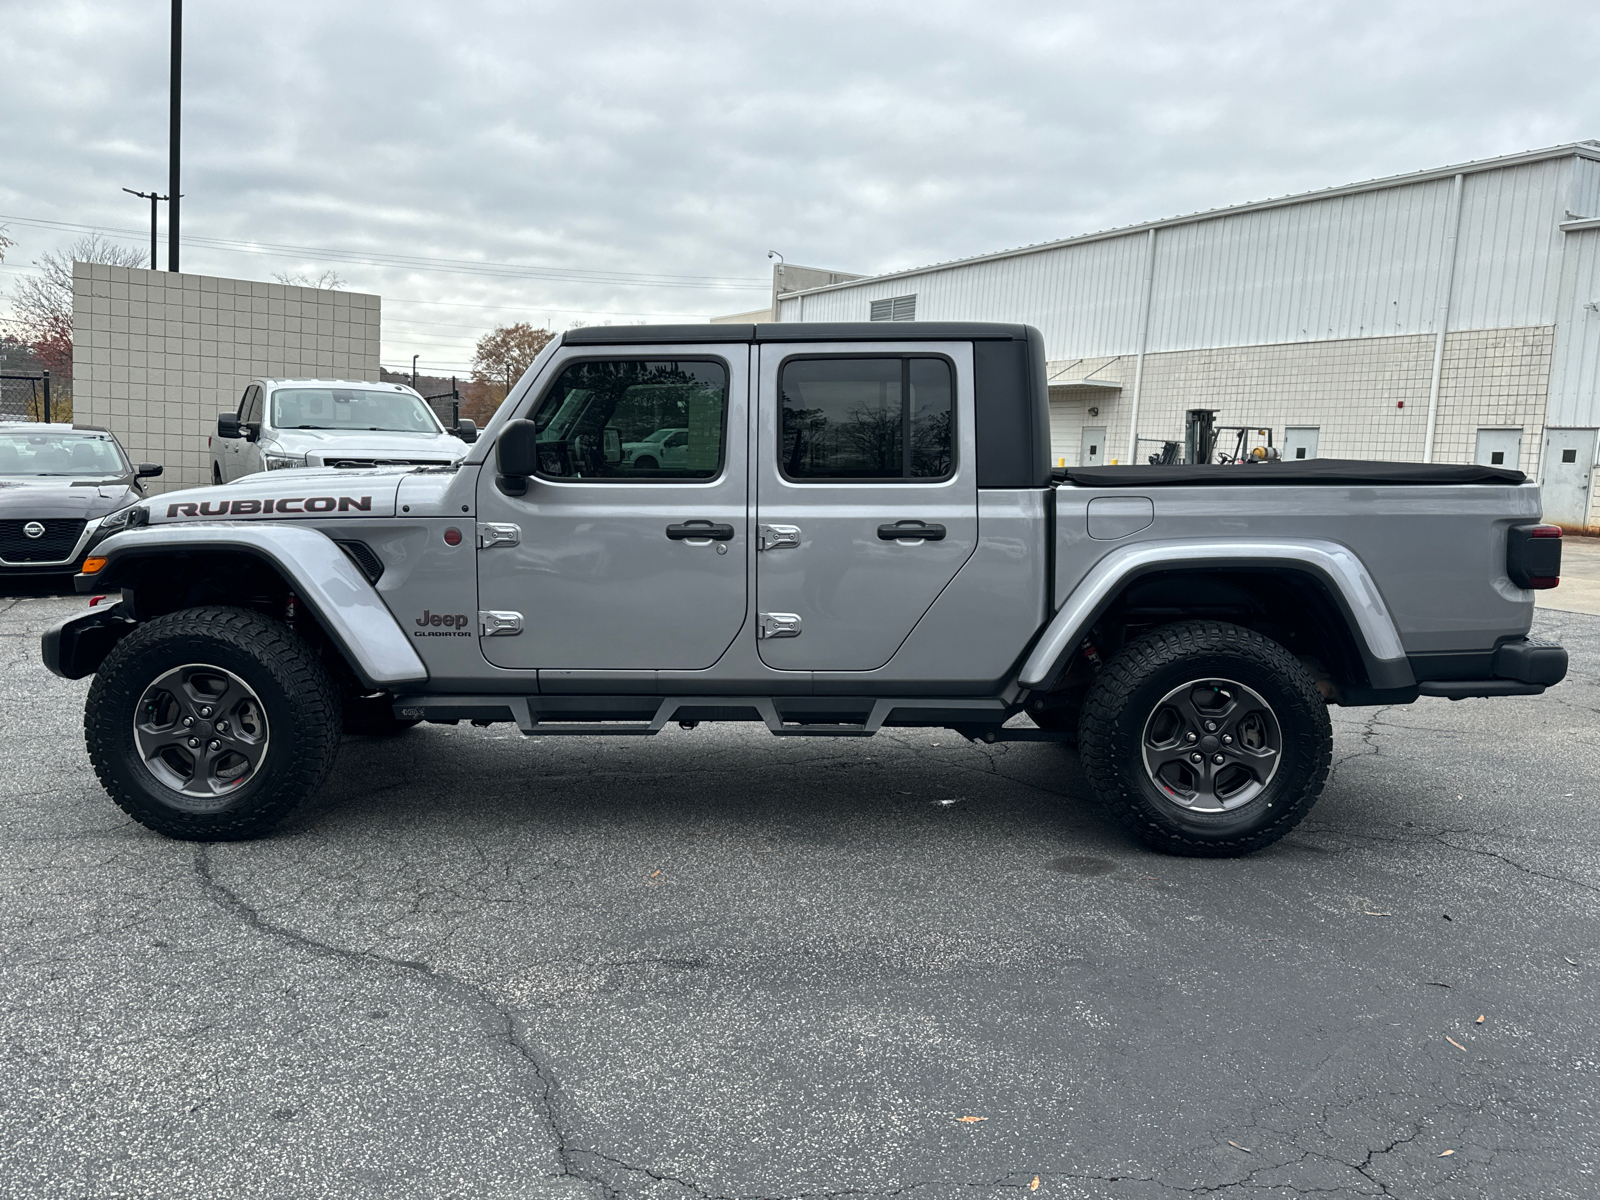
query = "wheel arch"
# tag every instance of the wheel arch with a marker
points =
(1330, 588)
(178, 567)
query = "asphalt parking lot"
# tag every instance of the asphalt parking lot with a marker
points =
(720, 964)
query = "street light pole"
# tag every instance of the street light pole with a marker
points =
(414, 358)
(175, 96)
(152, 197)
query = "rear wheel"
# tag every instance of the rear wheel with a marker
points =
(1206, 739)
(211, 723)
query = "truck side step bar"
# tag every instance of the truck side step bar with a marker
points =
(536, 716)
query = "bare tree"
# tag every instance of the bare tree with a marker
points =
(6, 241)
(330, 280)
(41, 307)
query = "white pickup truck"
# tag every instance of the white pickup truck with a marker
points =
(283, 424)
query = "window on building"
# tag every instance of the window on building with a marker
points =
(895, 308)
(867, 418)
(634, 419)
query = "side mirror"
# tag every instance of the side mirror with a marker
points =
(613, 445)
(228, 425)
(251, 430)
(466, 429)
(147, 471)
(517, 455)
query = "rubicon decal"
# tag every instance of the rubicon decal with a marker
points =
(441, 624)
(291, 505)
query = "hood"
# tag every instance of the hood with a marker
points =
(365, 443)
(64, 499)
(294, 495)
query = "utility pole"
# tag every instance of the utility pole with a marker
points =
(414, 358)
(175, 95)
(152, 197)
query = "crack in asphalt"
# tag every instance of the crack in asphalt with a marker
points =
(458, 989)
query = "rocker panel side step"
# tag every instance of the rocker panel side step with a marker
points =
(542, 716)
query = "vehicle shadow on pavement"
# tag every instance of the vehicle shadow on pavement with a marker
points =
(734, 776)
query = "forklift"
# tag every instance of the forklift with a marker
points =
(1200, 435)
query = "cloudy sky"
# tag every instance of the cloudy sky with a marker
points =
(630, 162)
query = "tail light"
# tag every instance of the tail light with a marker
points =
(1533, 555)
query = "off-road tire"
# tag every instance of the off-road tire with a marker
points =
(373, 716)
(1128, 691)
(300, 704)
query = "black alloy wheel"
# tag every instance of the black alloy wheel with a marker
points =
(211, 724)
(1206, 739)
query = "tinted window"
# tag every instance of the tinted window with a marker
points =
(252, 405)
(867, 418)
(632, 419)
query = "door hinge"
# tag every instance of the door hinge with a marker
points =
(778, 537)
(778, 625)
(491, 533)
(500, 624)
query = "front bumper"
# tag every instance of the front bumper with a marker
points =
(76, 646)
(1524, 667)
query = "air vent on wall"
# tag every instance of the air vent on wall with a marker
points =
(895, 308)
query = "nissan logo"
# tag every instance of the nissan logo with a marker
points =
(33, 529)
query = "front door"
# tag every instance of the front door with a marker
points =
(1094, 446)
(866, 493)
(1564, 490)
(619, 556)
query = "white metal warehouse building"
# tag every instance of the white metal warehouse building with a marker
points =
(1447, 315)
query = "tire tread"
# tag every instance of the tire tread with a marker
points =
(1154, 651)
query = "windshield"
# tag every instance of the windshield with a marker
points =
(69, 452)
(354, 409)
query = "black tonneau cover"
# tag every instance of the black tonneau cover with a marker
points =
(1333, 472)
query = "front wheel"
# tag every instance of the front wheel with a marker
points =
(1206, 739)
(212, 723)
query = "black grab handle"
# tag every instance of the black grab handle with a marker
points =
(911, 529)
(700, 529)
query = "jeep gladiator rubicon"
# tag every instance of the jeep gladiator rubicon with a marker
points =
(860, 528)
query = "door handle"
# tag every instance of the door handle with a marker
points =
(700, 529)
(911, 529)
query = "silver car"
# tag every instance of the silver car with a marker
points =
(283, 423)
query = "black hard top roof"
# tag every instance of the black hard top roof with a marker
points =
(799, 331)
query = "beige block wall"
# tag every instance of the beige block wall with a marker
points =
(1350, 390)
(157, 355)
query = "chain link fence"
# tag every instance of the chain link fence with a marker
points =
(25, 397)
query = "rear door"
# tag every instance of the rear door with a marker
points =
(606, 564)
(866, 496)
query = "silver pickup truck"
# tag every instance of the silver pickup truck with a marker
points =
(857, 527)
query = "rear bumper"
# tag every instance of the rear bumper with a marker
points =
(1524, 667)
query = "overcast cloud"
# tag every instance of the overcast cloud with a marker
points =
(687, 139)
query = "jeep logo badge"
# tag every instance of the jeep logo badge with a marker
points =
(33, 529)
